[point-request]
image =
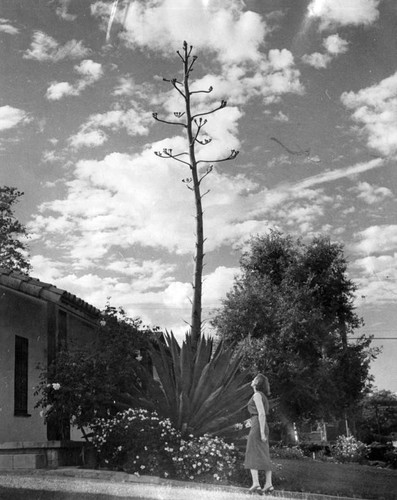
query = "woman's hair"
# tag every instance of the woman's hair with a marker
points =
(263, 384)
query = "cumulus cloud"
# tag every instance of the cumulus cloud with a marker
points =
(372, 194)
(62, 11)
(377, 278)
(334, 46)
(7, 27)
(90, 72)
(223, 27)
(375, 110)
(317, 60)
(376, 239)
(11, 117)
(334, 13)
(281, 117)
(134, 121)
(46, 48)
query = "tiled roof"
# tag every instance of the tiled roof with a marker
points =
(36, 288)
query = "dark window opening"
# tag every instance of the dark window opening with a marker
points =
(21, 376)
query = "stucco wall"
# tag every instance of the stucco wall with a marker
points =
(27, 317)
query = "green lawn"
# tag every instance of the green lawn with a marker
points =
(350, 480)
(27, 494)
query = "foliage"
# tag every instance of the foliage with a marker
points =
(391, 458)
(289, 452)
(203, 389)
(13, 250)
(99, 379)
(193, 122)
(290, 312)
(137, 441)
(204, 456)
(349, 449)
(377, 416)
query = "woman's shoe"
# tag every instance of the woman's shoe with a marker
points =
(255, 490)
(268, 490)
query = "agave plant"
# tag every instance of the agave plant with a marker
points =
(204, 390)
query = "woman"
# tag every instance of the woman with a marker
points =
(257, 455)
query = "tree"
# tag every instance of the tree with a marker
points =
(291, 310)
(99, 379)
(193, 123)
(377, 416)
(13, 251)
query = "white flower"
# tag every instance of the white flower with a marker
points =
(56, 386)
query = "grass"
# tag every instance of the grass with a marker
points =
(350, 480)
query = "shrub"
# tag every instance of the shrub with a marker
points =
(204, 456)
(391, 458)
(349, 449)
(136, 441)
(291, 452)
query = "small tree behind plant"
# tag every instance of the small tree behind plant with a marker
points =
(13, 250)
(193, 123)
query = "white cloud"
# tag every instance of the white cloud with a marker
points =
(372, 194)
(281, 117)
(222, 27)
(11, 117)
(90, 72)
(377, 279)
(376, 239)
(46, 48)
(88, 138)
(134, 121)
(339, 173)
(333, 13)
(62, 11)
(7, 27)
(334, 45)
(225, 30)
(58, 90)
(375, 109)
(317, 60)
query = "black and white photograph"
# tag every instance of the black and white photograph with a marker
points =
(198, 249)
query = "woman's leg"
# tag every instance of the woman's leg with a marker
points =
(268, 483)
(255, 478)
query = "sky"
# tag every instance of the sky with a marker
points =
(311, 90)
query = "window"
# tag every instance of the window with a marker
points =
(21, 376)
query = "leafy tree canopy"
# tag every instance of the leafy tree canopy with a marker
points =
(378, 416)
(291, 311)
(97, 380)
(13, 250)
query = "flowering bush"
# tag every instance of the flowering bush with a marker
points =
(137, 441)
(349, 449)
(205, 455)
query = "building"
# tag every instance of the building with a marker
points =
(36, 319)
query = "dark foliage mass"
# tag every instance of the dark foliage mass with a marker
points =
(291, 311)
(13, 234)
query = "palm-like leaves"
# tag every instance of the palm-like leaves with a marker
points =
(204, 391)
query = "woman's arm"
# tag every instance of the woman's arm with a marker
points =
(261, 414)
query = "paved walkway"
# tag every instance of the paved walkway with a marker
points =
(122, 485)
